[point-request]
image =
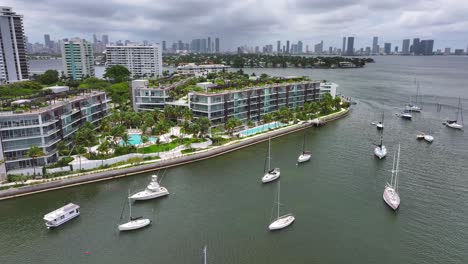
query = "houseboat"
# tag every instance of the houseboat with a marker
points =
(62, 215)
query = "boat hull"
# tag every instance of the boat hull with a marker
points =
(391, 198)
(51, 225)
(429, 138)
(134, 225)
(282, 222)
(380, 126)
(380, 152)
(406, 116)
(271, 176)
(303, 158)
(148, 195)
(454, 125)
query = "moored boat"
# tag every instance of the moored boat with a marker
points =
(270, 174)
(390, 194)
(153, 190)
(281, 221)
(62, 215)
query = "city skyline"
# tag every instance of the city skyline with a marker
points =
(242, 22)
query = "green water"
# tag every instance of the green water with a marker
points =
(336, 197)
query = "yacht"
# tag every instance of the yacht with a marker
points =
(62, 215)
(271, 174)
(428, 138)
(380, 150)
(390, 194)
(456, 123)
(305, 154)
(281, 221)
(153, 190)
(134, 222)
(405, 114)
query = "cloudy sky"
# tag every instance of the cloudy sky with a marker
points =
(251, 22)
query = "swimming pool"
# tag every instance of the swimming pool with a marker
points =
(135, 139)
(259, 129)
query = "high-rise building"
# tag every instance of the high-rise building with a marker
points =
(209, 45)
(405, 49)
(141, 61)
(426, 47)
(180, 45)
(318, 48)
(13, 62)
(299, 47)
(350, 47)
(287, 46)
(77, 58)
(330, 50)
(278, 46)
(95, 38)
(217, 45)
(163, 45)
(387, 48)
(105, 39)
(343, 50)
(415, 49)
(203, 46)
(47, 41)
(375, 45)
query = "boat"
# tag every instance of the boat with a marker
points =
(414, 107)
(305, 154)
(61, 215)
(134, 222)
(456, 123)
(270, 174)
(153, 190)
(405, 114)
(390, 194)
(281, 221)
(380, 125)
(420, 136)
(380, 150)
(428, 138)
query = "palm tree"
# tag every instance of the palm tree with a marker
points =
(232, 123)
(34, 153)
(104, 149)
(125, 139)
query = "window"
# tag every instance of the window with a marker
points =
(62, 217)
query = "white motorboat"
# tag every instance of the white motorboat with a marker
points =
(305, 154)
(457, 123)
(281, 221)
(153, 190)
(380, 150)
(413, 108)
(420, 136)
(134, 222)
(405, 114)
(428, 138)
(270, 174)
(62, 215)
(390, 194)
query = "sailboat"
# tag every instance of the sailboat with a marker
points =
(305, 154)
(380, 125)
(281, 221)
(380, 150)
(428, 137)
(134, 222)
(390, 194)
(406, 114)
(455, 123)
(270, 174)
(414, 107)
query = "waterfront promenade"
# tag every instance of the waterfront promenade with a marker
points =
(176, 159)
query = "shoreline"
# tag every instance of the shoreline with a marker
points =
(178, 161)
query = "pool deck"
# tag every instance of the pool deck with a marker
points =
(102, 175)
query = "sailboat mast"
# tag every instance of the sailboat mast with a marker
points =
(269, 154)
(303, 142)
(279, 191)
(204, 256)
(393, 169)
(130, 205)
(397, 168)
(460, 109)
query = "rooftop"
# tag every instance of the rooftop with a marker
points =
(61, 211)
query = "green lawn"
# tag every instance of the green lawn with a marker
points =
(168, 146)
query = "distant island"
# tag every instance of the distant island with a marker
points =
(266, 61)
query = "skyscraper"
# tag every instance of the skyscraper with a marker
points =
(415, 47)
(140, 60)
(405, 48)
(278, 46)
(180, 45)
(375, 45)
(217, 45)
(163, 45)
(343, 50)
(388, 48)
(13, 63)
(94, 38)
(203, 46)
(299, 47)
(209, 45)
(426, 47)
(287, 46)
(350, 48)
(78, 59)
(318, 48)
(47, 41)
(105, 39)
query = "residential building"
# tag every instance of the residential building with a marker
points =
(163, 45)
(388, 48)
(415, 48)
(13, 62)
(47, 41)
(105, 39)
(343, 50)
(318, 48)
(217, 45)
(287, 46)
(45, 127)
(78, 59)
(350, 47)
(209, 45)
(406, 47)
(426, 47)
(458, 52)
(375, 46)
(278, 46)
(146, 97)
(192, 68)
(299, 47)
(141, 61)
(447, 51)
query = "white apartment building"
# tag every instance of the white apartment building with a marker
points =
(140, 60)
(78, 59)
(192, 68)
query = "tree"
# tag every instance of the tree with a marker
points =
(117, 73)
(232, 123)
(34, 153)
(62, 148)
(104, 147)
(49, 77)
(125, 139)
(204, 123)
(119, 92)
(267, 118)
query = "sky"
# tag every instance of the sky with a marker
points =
(249, 22)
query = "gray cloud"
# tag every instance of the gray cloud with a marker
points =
(252, 22)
